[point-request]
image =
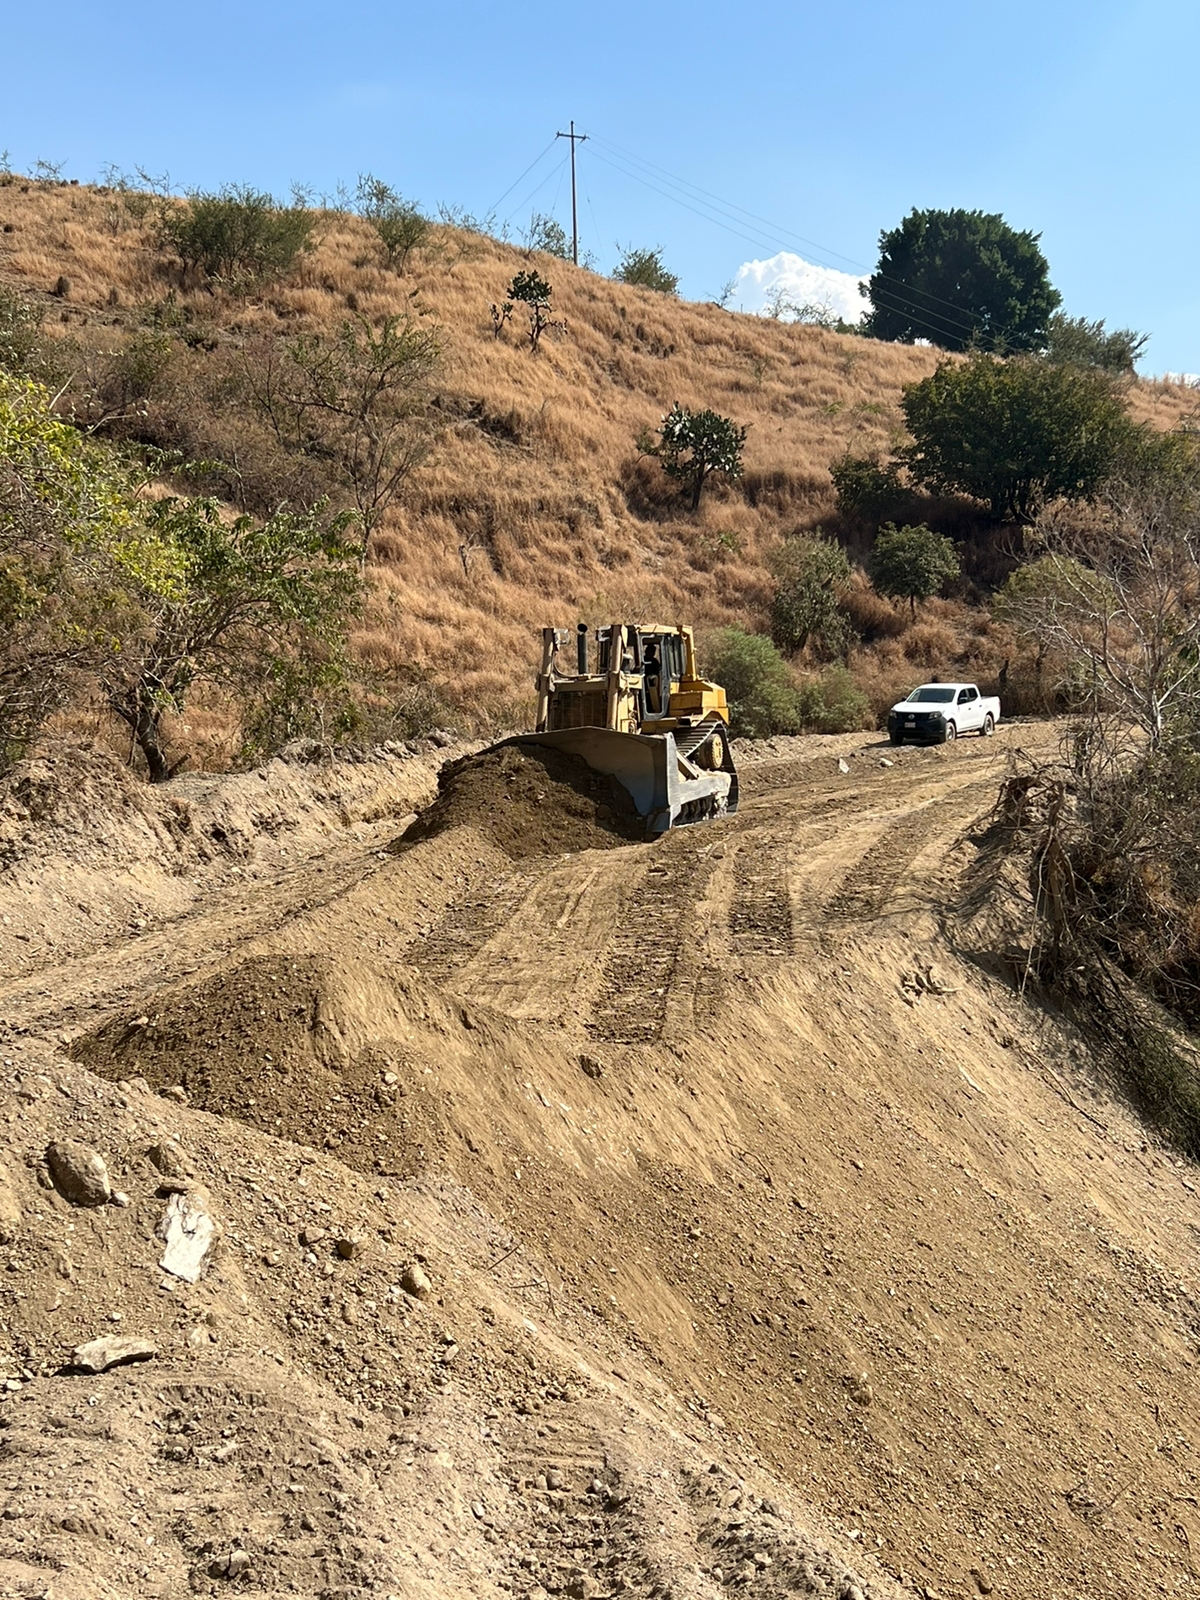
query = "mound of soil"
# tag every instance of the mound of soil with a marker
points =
(530, 801)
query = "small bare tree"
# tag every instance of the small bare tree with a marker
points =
(359, 399)
(1115, 591)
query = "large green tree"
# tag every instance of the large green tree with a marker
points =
(961, 279)
(1016, 433)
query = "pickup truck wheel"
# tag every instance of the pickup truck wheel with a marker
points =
(951, 733)
(989, 726)
(895, 738)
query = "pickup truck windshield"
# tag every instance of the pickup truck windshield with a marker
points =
(932, 694)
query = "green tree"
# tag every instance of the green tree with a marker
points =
(1074, 341)
(76, 561)
(532, 291)
(358, 399)
(692, 445)
(644, 269)
(961, 279)
(1015, 433)
(253, 603)
(757, 682)
(811, 575)
(401, 226)
(237, 232)
(912, 563)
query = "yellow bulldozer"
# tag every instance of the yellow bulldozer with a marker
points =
(636, 708)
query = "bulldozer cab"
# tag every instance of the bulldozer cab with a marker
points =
(628, 677)
(632, 704)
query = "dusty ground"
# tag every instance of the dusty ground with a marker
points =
(774, 1241)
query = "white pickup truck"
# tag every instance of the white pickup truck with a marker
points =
(937, 712)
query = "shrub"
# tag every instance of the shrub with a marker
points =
(76, 561)
(692, 445)
(547, 235)
(20, 334)
(757, 682)
(833, 703)
(869, 488)
(1016, 433)
(261, 608)
(644, 269)
(532, 291)
(1074, 341)
(358, 399)
(811, 576)
(401, 226)
(912, 563)
(238, 232)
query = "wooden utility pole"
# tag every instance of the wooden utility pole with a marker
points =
(575, 138)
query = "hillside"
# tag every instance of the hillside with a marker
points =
(533, 507)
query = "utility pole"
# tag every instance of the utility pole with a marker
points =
(575, 138)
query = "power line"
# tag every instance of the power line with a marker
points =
(954, 321)
(537, 189)
(521, 179)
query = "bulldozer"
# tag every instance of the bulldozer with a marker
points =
(636, 708)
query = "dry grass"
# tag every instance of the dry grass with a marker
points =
(534, 507)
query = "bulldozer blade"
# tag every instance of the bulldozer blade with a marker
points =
(666, 787)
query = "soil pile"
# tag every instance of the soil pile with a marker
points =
(531, 801)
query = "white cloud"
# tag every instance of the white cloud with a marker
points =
(788, 280)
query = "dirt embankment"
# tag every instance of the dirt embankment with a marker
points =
(89, 853)
(773, 1244)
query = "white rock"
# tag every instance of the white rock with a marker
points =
(110, 1351)
(189, 1231)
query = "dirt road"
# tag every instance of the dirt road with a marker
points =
(722, 1153)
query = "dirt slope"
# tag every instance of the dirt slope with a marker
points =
(774, 1243)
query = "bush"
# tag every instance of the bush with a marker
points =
(20, 334)
(868, 488)
(833, 703)
(1074, 341)
(401, 226)
(757, 682)
(644, 269)
(238, 232)
(1016, 433)
(811, 575)
(912, 563)
(76, 562)
(548, 235)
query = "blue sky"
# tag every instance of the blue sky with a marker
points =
(830, 121)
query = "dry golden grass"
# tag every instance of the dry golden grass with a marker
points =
(534, 507)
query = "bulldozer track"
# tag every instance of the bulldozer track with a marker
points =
(640, 968)
(760, 918)
(869, 888)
